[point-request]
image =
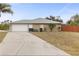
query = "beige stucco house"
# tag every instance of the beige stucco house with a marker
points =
(39, 24)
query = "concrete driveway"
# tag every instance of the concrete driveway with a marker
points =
(23, 43)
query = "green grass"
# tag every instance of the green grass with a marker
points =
(67, 41)
(2, 35)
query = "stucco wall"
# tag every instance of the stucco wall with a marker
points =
(57, 28)
(45, 27)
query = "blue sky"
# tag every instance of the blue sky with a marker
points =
(36, 10)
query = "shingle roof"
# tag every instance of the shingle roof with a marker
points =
(38, 20)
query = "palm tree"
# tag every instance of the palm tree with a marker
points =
(5, 8)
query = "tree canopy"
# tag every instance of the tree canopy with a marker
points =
(74, 20)
(55, 18)
(5, 8)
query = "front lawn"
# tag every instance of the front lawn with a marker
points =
(67, 41)
(2, 35)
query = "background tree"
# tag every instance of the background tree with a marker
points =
(5, 8)
(69, 21)
(74, 20)
(54, 18)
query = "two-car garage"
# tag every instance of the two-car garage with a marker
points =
(20, 27)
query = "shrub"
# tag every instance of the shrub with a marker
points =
(4, 26)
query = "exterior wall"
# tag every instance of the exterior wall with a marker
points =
(36, 26)
(57, 28)
(47, 27)
(25, 27)
(70, 28)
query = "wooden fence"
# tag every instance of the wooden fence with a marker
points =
(69, 28)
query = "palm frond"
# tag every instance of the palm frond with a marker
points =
(3, 5)
(7, 10)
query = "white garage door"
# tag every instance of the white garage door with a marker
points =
(20, 27)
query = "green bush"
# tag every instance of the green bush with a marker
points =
(73, 23)
(4, 26)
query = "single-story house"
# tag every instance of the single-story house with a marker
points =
(39, 24)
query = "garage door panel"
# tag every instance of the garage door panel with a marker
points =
(20, 27)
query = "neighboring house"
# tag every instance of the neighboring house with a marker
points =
(39, 24)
